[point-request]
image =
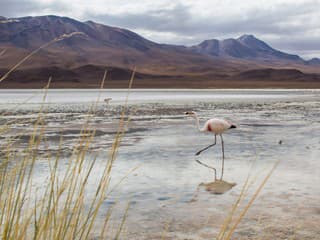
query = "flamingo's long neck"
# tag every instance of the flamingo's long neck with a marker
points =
(198, 123)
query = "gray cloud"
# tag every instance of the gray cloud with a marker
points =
(15, 8)
(18, 8)
(305, 46)
(181, 20)
(165, 20)
(299, 44)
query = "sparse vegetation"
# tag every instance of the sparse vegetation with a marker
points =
(59, 208)
(234, 218)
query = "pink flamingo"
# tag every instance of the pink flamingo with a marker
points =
(217, 127)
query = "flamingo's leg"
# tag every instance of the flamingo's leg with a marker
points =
(211, 145)
(222, 146)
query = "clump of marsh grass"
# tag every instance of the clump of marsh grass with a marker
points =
(60, 212)
(59, 208)
(237, 211)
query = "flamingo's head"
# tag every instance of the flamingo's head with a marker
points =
(190, 113)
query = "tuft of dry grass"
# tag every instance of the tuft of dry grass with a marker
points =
(237, 212)
(60, 208)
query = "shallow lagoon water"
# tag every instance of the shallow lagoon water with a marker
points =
(162, 143)
(148, 95)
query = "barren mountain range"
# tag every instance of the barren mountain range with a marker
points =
(80, 61)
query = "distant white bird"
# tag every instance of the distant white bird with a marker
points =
(107, 100)
(217, 127)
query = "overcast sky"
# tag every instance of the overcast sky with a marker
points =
(289, 25)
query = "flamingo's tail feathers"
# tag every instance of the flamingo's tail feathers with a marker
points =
(233, 126)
